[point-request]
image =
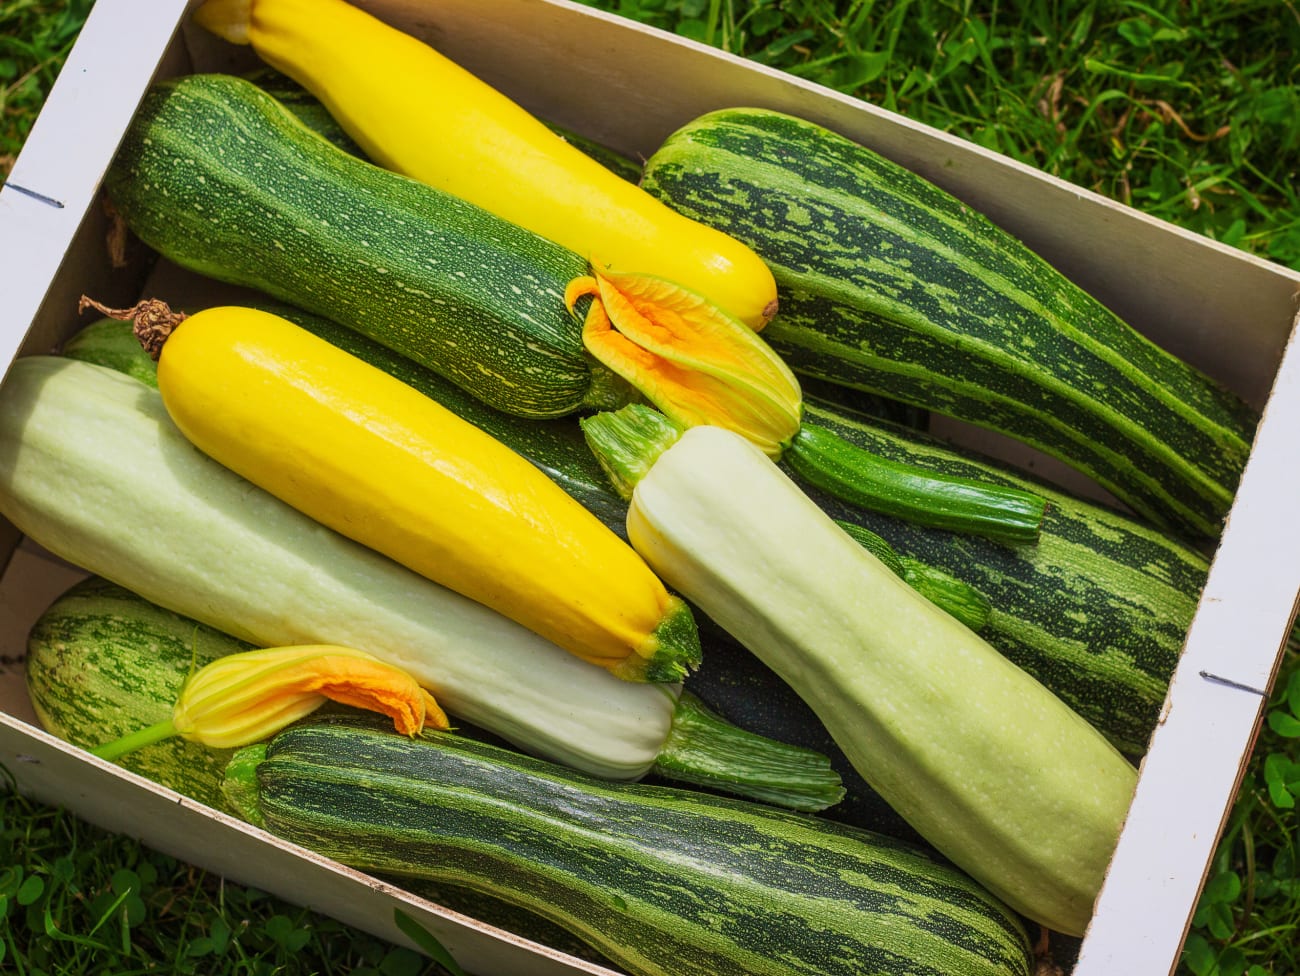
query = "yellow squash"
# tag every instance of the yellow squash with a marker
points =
(417, 113)
(380, 463)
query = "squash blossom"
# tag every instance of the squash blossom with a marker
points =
(243, 698)
(693, 361)
(701, 367)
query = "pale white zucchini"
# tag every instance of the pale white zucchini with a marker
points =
(987, 764)
(92, 468)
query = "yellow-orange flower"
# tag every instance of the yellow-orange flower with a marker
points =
(243, 698)
(689, 358)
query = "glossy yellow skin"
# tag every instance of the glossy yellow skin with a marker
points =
(417, 113)
(380, 463)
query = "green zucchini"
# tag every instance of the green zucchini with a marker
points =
(823, 459)
(219, 177)
(112, 343)
(92, 468)
(987, 764)
(661, 881)
(889, 284)
(102, 663)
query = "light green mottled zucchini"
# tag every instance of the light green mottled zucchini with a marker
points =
(102, 663)
(661, 881)
(889, 284)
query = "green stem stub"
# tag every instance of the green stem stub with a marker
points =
(958, 598)
(829, 462)
(627, 442)
(676, 644)
(239, 787)
(705, 750)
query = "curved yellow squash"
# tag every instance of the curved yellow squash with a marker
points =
(417, 113)
(380, 463)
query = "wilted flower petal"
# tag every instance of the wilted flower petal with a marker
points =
(243, 698)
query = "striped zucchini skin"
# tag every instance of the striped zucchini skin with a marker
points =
(222, 179)
(661, 881)
(102, 663)
(891, 285)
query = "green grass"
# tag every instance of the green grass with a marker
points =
(1247, 919)
(1185, 109)
(34, 39)
(75, 899)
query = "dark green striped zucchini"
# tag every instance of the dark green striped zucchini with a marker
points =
(891, 285)
(661, 881)
(219, 177)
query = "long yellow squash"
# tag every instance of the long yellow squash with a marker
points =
(418, 113)
(380, 463)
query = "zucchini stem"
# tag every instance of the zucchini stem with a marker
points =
(705, 750)
(628, 441)
(828, 462)
(116, 749)
(152, 319)
(239, 786)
